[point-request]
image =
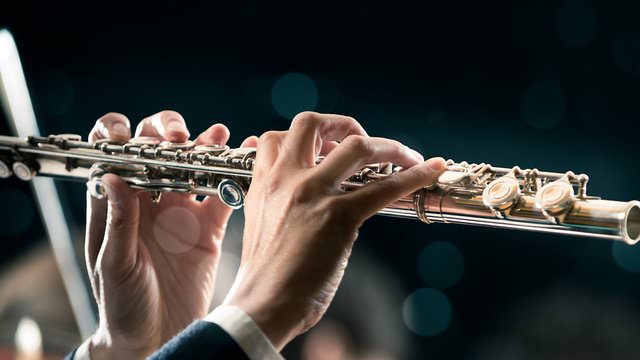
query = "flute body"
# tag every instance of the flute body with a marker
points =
(471, 194)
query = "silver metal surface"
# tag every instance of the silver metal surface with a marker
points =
(471, 194)
(5, 171)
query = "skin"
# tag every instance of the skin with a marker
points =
(300, 228)
(150, 277)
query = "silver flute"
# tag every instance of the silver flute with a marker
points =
(471, 194)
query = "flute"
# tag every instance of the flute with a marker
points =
(471, 194)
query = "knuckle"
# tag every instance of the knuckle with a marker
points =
(269, 136)
(306, 120)
(117, 224)
(305, 116)
(358, 144)
(351, 119)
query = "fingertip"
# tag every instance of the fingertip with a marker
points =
(168, 124)
(115, 187)
(251, 141)
(417, 155)
(436, 164)
(221, 130)
(114, 126)
(119, 131)
(217, 134)
(111, 125)
(176, 131)
(177, 135)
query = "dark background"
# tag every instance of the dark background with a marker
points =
(547, 84)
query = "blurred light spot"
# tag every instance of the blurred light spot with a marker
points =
(28, 339)
(55, 93)
(293, 93)
(176, 230)
(20, 217)
(427, 312)
(576, 23)
(441, 264)
(626, 52)
(544, 105)
(626, 256)
(435, 118)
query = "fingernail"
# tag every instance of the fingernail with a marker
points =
(119, 129)
(417, 155)
(436, 164)
(176, 125)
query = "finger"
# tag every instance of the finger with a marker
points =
(251, 141)
(366, 201)
(309, 129)
(119, 249)
(216, 134)
(268, 149)
(94, 235)
(219, 212)
(111, 126)
(114, 126)
(96, 223)
(327, 147)
(166, 125)
(356, 151)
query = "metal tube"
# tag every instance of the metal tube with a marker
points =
(469, 194)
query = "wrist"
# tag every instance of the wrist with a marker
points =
(276, 321)
(103, 347)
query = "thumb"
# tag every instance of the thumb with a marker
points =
(120, 245)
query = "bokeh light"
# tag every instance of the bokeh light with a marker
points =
(20, 217)
(28, 339)
(626, 52)
(427, 312)
(176, 229)
(627, 257)
(293, 93)
(544, 104)
(576, 23)
(440, 264)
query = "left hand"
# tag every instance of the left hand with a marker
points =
(152, 266)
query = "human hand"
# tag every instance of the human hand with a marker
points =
(152, 266)
(300, 226)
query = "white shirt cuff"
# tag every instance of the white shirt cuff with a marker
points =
(82, 352)
(244, 331)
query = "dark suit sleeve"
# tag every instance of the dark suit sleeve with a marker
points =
(201, 340)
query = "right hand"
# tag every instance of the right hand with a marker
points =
(300, 226)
